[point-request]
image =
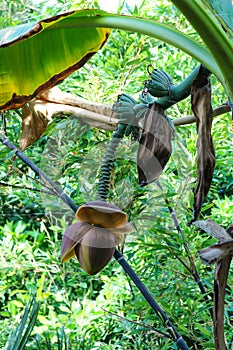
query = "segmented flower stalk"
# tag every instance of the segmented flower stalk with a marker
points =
(124, 111)
(107, 165)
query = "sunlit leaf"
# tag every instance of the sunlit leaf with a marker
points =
(36, 56)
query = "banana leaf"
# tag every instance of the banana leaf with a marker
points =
(36, 56)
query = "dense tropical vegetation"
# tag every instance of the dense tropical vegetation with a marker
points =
(105, 311)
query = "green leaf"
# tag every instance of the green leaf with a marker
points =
(19, 337)
(219, 41)
(224, 9)
(36, 56)
(160, 31)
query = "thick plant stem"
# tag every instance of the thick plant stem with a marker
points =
(181, 91)
(106, 167)
(141, 287)
(218, 39)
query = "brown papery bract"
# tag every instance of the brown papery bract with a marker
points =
(202, 109)
(155, 145)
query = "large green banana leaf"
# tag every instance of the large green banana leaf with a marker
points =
(36, 56)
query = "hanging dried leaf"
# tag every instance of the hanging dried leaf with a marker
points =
(34, 123)
(155, 145)
(220, 280)
(214, 230)
(216, 252)
(222, 254)
(202, 109)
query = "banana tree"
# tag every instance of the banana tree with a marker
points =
(60, 45)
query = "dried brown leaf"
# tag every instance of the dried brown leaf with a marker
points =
(34, 123)
(220, 281)
(222, 254)
(216, 252)
(39, 112)
(202, 109)
(65, 98)
(214, 230)
(155, 145)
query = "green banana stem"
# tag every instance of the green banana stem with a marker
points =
(216, 39)
(181, 91)
(106, 168)
(177, 93)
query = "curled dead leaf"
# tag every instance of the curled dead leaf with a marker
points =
(216, 252)
(222, 254)
(34, 123)
(214, 230)
(202, 109)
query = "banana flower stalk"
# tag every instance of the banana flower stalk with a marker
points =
(93, 239)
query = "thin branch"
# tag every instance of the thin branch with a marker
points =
(54, 187)
(192, 269)
(153, 329)
(5, 184)
(192, 119)
(151, 301)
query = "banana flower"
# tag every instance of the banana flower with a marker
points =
(93, 239)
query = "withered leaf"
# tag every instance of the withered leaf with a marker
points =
(222, 254)
(155, 145)
(214, 230)
(220, 281)
(216, 252)
(34, 123)
(202, 109)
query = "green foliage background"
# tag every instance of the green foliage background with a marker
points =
(105, 311)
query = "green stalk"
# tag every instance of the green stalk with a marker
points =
(220, 45)
(153, 29)
(107, 164)
(181, 91)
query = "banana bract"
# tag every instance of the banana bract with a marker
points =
(93, 239)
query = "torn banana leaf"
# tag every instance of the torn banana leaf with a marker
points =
(155, 145)
(36, 56)
(202, 109)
